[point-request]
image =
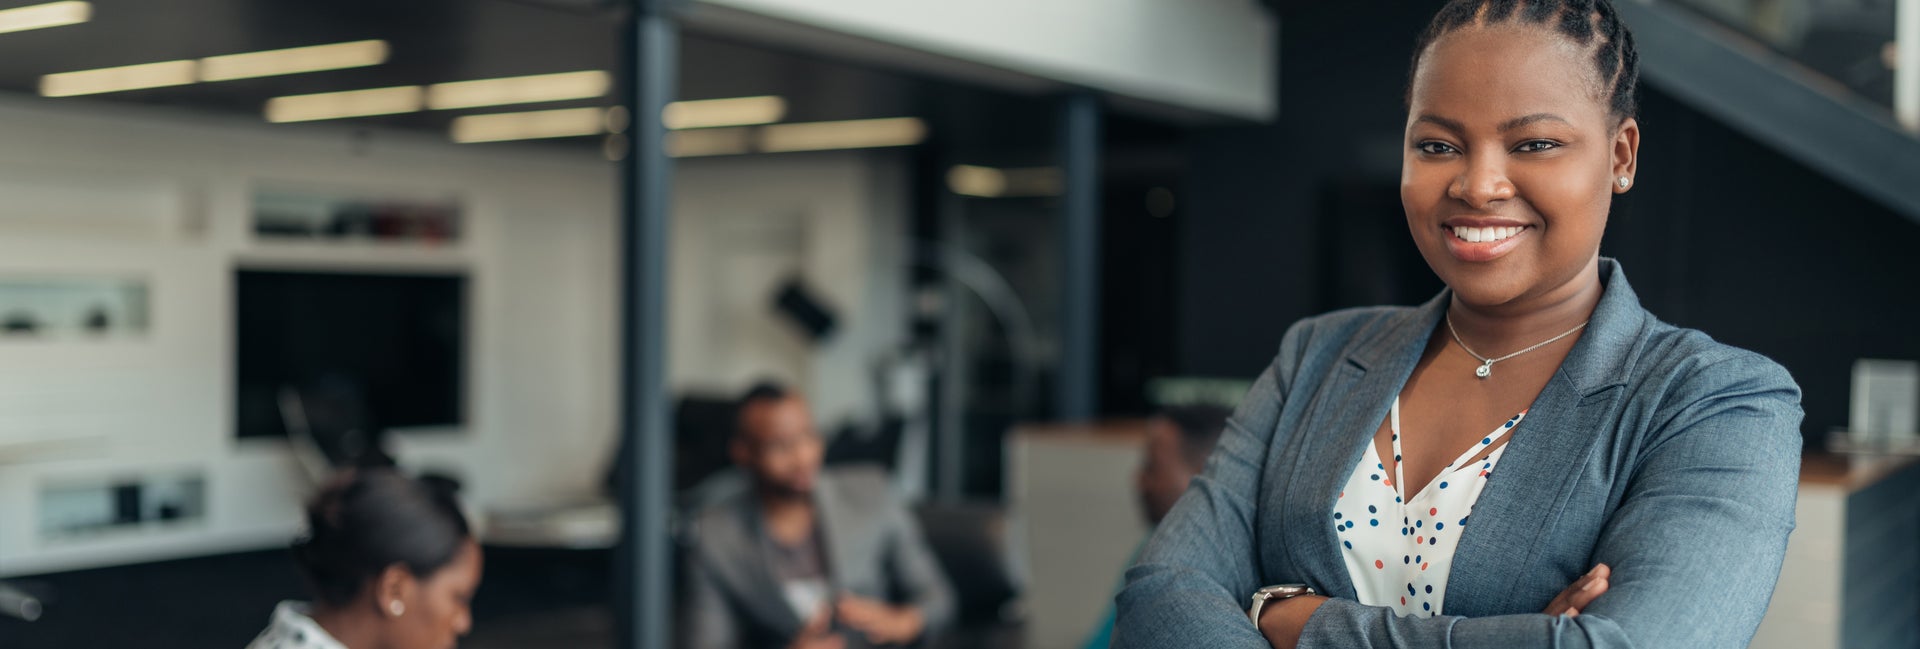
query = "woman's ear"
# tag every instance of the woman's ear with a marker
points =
(1626, 154)
(393, 590)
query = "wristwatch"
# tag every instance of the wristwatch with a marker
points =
(1273, 593)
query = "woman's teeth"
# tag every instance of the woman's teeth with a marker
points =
(1482, 235)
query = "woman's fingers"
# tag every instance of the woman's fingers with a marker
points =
(1581, 593)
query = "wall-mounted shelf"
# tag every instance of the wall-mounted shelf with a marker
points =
(73, 308)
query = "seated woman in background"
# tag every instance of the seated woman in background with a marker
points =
(391, 563)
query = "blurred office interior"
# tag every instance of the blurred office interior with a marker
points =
(986, 239)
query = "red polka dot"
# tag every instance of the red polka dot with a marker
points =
(1389, 482)
(1419, 540)
(1343, 494)
(1483, 473)
(1433, 511)
(1403, 601)
(1379, 565)
(1423, 566)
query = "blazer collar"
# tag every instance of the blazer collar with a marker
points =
(1595, 363)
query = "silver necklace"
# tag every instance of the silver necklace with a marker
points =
(1486, 364)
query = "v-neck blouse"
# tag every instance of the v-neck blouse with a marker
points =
(1406, 567)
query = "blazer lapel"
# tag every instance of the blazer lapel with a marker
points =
(830, 516)
(1346, 410)
(741, 560)
(1510, 527)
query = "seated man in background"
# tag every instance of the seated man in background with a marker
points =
(806, 558)
(1179, 440)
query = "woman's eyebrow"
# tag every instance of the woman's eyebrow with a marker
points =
(1506, 126)
(1518, 122)
(1442, 122)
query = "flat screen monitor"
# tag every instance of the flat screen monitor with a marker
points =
(397, 342)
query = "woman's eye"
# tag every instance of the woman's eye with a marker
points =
(1434, 148)
(1535, 146)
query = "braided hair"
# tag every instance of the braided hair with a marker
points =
(1590, 23)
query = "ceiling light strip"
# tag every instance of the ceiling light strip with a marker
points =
(295, 60)
(52, 14)
(501, 127)
(338, 105)
(850, 134)
(126, 77)
(563, 86)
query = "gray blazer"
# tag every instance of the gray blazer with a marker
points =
(1668, 456)
(873, 549)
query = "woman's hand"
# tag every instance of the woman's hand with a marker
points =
(1581, 592)
(1282, 620)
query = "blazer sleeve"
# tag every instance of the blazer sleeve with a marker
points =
(917, 571)
(1190, 586)
(1695, 546)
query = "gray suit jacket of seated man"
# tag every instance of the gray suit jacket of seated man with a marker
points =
(873, 549)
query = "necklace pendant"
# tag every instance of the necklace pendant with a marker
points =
(1484, 370)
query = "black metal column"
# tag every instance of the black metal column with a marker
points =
(643, 579)
(1079, 379)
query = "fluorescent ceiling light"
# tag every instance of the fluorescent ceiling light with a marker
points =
(519, 90)
(709, 141)
(499, 127)
(126, 77)
(292, 61)
(52, 14)
(851, 134)
(736, 111)
(989, 182)
(336, 105)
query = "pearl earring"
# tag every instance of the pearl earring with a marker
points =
(1624, 182)
(396, 608)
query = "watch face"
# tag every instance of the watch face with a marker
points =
(1283, 590)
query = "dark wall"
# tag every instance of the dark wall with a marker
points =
(1720, 233)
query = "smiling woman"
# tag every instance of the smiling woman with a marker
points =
(1591, 446)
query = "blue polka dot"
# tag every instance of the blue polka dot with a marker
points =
(1429, 589)
(1424, 606)
(1396, 499)
(1405, 531)
(1485, 441)
(1488, 465)
(1374, 522)
(1404, 559)
(1433, 540)
(1418, 558)
(1411, 591)
(1509, 423)
(1336, 516)
(1463, 519)
(1349, 544)
(1443, 485)
(1419, 524)
(1396, 458)
(1437, 526)
(1371, 510)
(1349, 524)
(1378, 465)
(1375, 476)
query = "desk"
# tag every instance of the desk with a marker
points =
(1852, 574)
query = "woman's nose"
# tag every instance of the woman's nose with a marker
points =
(1483, 183)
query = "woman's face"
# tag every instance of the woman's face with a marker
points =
(1511, 161)
(438, 606)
